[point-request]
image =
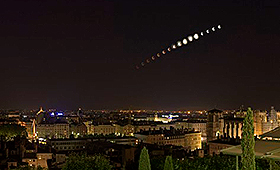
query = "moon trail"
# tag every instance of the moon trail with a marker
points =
(185, 41)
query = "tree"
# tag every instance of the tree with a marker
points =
(218, 162)
(82, 161)
(12, 130)
(248, 142)
(157, 162)
(144, 161)
(168, 165)
(27, 167)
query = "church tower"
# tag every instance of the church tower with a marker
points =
(212, 125)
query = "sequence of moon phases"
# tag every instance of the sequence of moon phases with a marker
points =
(185, 41)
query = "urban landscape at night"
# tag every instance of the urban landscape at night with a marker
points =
(139, 85)
(50, 136)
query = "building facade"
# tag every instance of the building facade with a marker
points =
(213, 124)
(53, 130)
(178, 137)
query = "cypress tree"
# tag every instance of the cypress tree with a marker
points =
(168, 165)
(144, 161)
(248, 142)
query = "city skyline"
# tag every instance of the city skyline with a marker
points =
(83, 54)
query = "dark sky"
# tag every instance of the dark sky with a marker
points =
(70, 54)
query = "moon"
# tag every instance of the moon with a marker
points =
(196, 36)
(190, 38)
(178, 44)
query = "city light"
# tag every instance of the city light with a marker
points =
(59, 114)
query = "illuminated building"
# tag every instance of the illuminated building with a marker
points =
(151, 125)
(196, 125)
(267, 146)
(67, 144)
(230, 125)
(79, 129)
(126, 130)
(28, 126)
(38, 159)
(272, 121)
(52, 125)
(178, 137)
(259, 119)
(43, 157)
(213, 124)
(104, 129)
(36, 156)
(53, 130)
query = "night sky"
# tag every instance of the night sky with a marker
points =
(70, 54)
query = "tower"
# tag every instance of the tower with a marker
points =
(273, 115)
(212, 125)
(272, 121)
(40, 115)
(33, 130)
(273, 118)
(80, 112)
(40, 111)
(258, 122)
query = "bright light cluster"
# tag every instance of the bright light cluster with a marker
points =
(180, 43)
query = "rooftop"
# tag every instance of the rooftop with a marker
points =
(230, 141)
(270, 149)
(215, 111)
(275, 133)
